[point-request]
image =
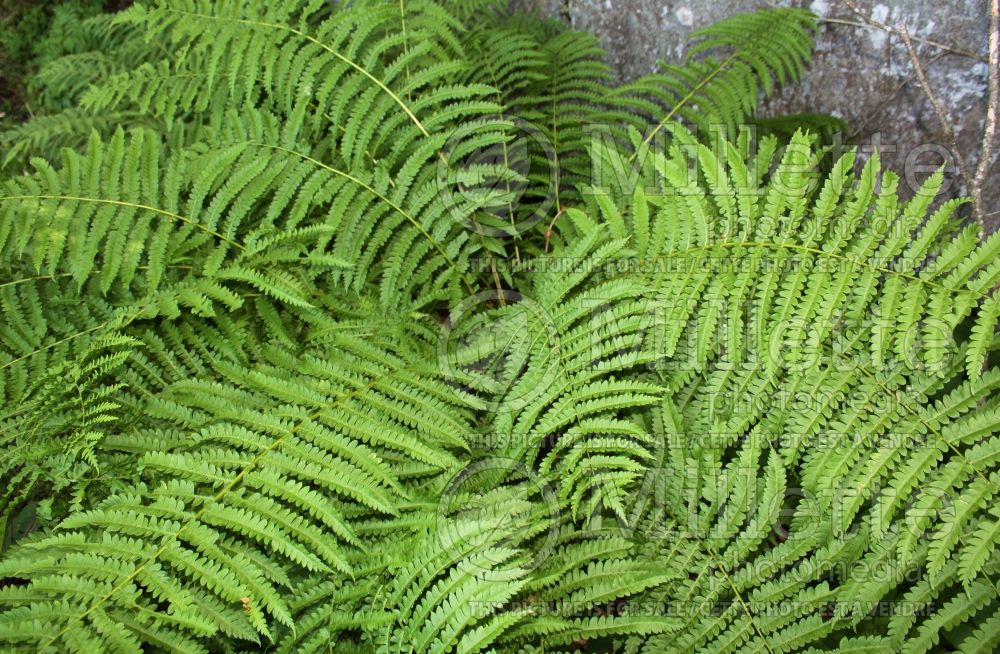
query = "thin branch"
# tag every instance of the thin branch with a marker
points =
(948, 49)
(889, 98)
(992, 109)
(939, 111)
(945, 122)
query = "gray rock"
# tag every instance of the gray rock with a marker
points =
(858, 73)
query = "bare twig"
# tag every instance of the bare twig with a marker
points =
(948, 49)
(550, 231)
(992, 108)
(942, 115)
(860, 128)
(972, 182)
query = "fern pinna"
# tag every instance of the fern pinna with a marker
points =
(395, 327)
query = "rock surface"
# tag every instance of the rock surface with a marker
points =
(860, 74)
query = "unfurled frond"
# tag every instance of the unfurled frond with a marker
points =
(827, 353)
(394, 327)
(274, 462)
(730, 65)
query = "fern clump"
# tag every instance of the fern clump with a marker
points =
(394, 326)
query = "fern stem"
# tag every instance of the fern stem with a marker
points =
(132, 205)
(683, 101)
(818, 252)
(315, 41)
(378, 195)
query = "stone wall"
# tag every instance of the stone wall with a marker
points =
(858, 73)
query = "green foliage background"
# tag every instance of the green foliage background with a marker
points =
(397, 327)
(31, 34)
